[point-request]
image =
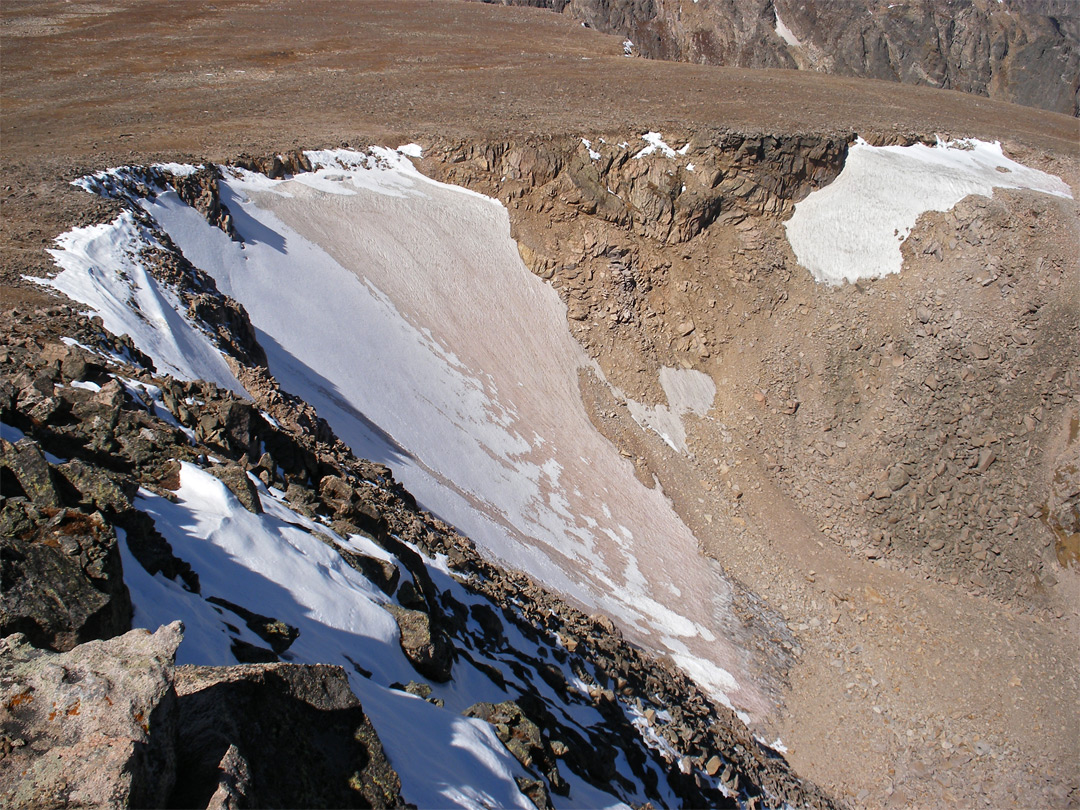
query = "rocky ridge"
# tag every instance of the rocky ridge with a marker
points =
(1025, 53)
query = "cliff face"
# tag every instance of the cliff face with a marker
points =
(1025, 53)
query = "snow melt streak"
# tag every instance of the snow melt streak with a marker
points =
(853, 228)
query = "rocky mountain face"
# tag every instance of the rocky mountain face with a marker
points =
(1025, 53)
(903, 432)
(923, 423)
(94, 430)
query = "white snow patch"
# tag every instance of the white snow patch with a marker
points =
(655, 143)
(785, 33)
(687, 391)
(413, 150)
(716, 681)
(593, 154)
(101, 267)
(852, 229)
(177, 169)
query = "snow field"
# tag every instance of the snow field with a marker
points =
(276, 565)
(400, 309)
(852, 229)
(415, 330)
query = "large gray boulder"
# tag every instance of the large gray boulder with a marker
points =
(92, 727)
(277, 735)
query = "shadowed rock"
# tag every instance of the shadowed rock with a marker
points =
(277, 735)
(61, 581)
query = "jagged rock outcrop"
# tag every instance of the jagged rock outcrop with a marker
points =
(61, 581)
(200, 190)
(92, 727)
(658, 193)
(1026, 53)
(277, 735)
(114, 724)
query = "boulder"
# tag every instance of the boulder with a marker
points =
(383, 573)
(234, 788)
(26, 462)
(429, 649)
(236, 479)
(277, 735)
(92, 727)
(61, 578)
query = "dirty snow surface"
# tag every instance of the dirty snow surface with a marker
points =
(400, 308)
(853, 228)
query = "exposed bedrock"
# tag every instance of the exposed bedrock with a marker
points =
(114, 724)
(1017, 51)
(912, 418)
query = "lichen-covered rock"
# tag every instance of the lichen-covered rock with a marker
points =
(92, 727)
(277, 735)
(427, 647)
(28, 466)
(236, 479)
(61, 579)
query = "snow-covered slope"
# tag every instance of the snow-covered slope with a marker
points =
(853, 228)
(275, 564)
(400, 308)
(102, 267)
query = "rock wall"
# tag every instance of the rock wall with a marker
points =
(1025, 53)
(899, 426)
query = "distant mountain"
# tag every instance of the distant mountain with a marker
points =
(1011, 50)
